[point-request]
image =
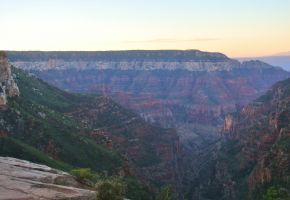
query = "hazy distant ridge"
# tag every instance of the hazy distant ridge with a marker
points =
(281, 60)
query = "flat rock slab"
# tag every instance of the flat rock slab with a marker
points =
(22, 180)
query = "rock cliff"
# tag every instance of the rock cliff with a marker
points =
(8, 87)
(192, 60)
(20, 179)
(254, 157)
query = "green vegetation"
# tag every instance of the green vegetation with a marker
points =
(110, 189)
(166, 193)
(271, 191)
(277, 193)
(84, 174)
(15, 148)
(45, 125)
(39, 120)
(136, 191)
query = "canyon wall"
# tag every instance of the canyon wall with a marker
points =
(165, 87)
(254, 156)
(8, 87)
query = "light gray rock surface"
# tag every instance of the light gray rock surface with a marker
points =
(127, 65)
(22, 180)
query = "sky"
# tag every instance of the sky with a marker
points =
(238, 28)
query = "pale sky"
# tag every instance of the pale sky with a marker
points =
(234, 27)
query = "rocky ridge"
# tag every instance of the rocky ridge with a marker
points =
(20, 180)
(189, 60)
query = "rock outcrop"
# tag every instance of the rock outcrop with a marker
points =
(228, 124)
(21, 180)
(8, 86)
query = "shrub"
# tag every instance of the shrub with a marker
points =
(276, 193)
(84, 174)
(166, 193)
(110, 190)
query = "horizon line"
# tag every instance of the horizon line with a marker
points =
(124, 50)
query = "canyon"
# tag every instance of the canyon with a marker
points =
(203, 96)
(45, 125)
(191, 91)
